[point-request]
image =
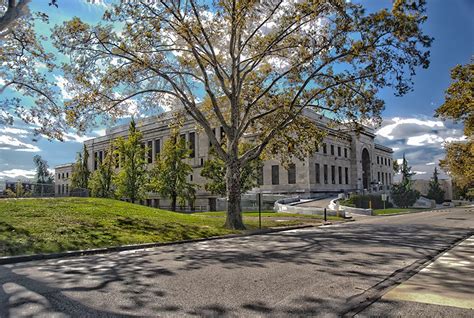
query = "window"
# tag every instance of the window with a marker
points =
(275, 174)
(67, 175)
(378, 176)
(317, 147)
(62, 175)
(347, 175)
(389, 178)
(260, 176)
(389, 162)
(325, 174)
(96, 160)
(214, 133)
(100, 156)
(333, 174)
(332, 150)
(150, 151)
(292, 174)
(67, 188)
(62, 188)
(325, 148)
(339, 151)
(345, 152)
(157, 147)
(59, 176)
(386, 162)
(318, 176)
(383, 180)
(192, 144)
(59, 189)
(339, 170)
(378, 160)
(190, 177)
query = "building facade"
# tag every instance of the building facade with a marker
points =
(62, 179)
(347, 161)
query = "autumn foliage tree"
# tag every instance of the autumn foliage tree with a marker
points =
(257, 66)
(26, 67)
(459, 106)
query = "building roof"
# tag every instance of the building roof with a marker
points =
(64, 165)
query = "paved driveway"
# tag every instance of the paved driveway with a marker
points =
(326, 271)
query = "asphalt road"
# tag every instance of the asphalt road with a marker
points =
(329, 271)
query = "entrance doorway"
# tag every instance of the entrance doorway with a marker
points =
(366, 169)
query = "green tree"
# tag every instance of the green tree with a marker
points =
(402, 193)
(43, 178)
(459, 106)
(170, 174)
(214, 170)
(435, 192)
(395, 166)
(80, 172)
(262, 65)
(131, 179)
(101, 183)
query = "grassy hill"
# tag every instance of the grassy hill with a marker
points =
(49, 225)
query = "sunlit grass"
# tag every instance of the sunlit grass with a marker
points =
(50, 225)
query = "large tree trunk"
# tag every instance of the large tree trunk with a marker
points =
(173, 203)
(234, 209)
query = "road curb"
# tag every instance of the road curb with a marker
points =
(413, 212)
(106, 250)
(362, 301)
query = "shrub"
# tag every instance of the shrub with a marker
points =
(403, 197)
(362, 201)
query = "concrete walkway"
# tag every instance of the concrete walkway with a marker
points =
(323, 203)
(443, 288)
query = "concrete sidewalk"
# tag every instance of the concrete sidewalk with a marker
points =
(445, 287)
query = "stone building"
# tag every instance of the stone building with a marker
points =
(62, 179)
(346, 162)
(423, 186)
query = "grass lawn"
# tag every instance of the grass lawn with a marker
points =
(29, 226)
(397, 210)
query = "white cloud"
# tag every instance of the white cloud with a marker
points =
(62, 84)
(388, 130)
(424, 139)
(76, 138)
(16, 131)
(99, 132)
(430, 163)
(16, 173)
(17, 145)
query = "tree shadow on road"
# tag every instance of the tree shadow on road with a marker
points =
(139, 280)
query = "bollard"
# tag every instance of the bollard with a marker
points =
(325, 215)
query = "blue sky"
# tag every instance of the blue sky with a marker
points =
(409, 126)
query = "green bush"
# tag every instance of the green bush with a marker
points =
(362, 201)
(404, 197)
